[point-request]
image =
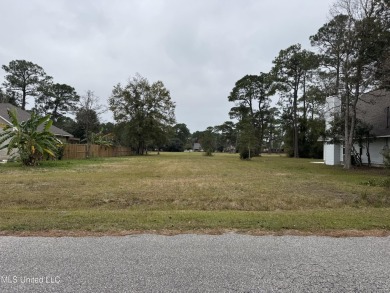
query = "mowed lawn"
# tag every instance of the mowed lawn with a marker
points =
(189, 192)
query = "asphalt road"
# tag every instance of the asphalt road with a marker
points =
(193, 263)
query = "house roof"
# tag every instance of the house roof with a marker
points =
(373, 108)
(24, 116)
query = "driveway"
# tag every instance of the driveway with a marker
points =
(194, 263)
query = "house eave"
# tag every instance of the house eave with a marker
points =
(341, 139)
(6, 121)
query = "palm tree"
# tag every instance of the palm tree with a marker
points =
(32, 144)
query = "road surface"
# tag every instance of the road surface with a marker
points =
(194, 263)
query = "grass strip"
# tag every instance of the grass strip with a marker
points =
(314, 221)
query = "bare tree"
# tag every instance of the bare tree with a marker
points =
(88, 115)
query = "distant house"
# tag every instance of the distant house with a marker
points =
(229, 149)
(197, 147)
(374, 109)
(24, 116)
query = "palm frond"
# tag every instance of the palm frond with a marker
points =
(48, 124)
(13, 117)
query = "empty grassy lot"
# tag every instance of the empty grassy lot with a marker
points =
(189, 192)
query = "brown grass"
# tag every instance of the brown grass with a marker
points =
(187, 182)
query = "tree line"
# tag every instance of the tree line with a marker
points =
(143, 111)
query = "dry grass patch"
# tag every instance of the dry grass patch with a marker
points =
(185, 182)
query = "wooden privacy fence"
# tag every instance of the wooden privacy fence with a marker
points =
(80, 151)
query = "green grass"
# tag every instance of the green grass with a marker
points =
(191, 192)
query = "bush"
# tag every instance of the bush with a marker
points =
(60, 151)
(244, 154)
(208, 152)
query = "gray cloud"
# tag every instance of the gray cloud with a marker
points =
(199, 49)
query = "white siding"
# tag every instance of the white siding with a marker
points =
(376, 148)
(3, 152)
(332, 154)
(332, 108)
(3, 155)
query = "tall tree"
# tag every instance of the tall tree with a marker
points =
(290, 69)
(251, 97)
(382, 12)
(57, 100)
(24, 79)
(146, 108)
(274, 132)
(330, 41)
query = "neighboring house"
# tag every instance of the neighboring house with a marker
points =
(374, 109)
(230, 149)
(24, 116)
(197, 147)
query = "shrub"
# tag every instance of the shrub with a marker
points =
(244, 154)
(32, 144)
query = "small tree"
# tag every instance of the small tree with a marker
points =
(247, 140)
(87, 117)
(208, 141)
(32, 144)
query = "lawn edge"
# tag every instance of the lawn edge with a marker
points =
(164, 232)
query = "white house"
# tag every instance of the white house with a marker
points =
(197, 147)
(24, 116)
(374, 109)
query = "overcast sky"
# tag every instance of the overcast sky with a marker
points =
(198, 49)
